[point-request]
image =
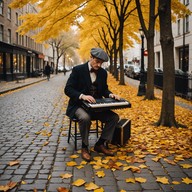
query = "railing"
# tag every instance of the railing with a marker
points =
(183, 84)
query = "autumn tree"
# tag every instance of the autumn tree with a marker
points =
(167, 117)
(64, 42)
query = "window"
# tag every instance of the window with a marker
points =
(178, 27)
(17, 38)
(187, 23)
(1, 32)
(9, 36)
(9, 13)
(17, 19)
(1, 7)
(186, 2)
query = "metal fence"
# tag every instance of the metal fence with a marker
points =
(183, 84)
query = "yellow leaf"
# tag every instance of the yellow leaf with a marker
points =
(66, 176)
(90, 186)
(49, 177)
(186, 180)
(62, 189)
(186, 166)
(12, 163)
(64, 149)
(140, 179)
(156, 159)
(45, 143)
(71, 163)
(74, 156)
(46, 124)
(78, 182)
(99, 190)
(122, 190)
(100, 174)
(142, 166)
(163, 180)
(23, 182)
(79, 167)
(83, 162)
(175, 182)
(169, 161)
(4, 188)
(130, 180)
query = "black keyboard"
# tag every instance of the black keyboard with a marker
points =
(106, 104)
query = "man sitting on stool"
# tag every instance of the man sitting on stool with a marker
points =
(88, 82)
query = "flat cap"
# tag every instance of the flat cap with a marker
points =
(99, 53)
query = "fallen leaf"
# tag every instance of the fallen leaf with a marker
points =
(130, 180)
(175, 182)
(140, 179)
(62, 189)
(71, 163)
(163, 180)
(66, 175)
(186, 180)
(78, 182)
(12, 163)
(99, 190)
(91, 186)
(74, 156)
(186, 166)
(100, 174)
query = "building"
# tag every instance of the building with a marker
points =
(19, 54)
(182, 34)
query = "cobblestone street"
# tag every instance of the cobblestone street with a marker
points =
(33, 131)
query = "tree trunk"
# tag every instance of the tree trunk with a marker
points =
(122, 79)
(167, 117)
(150, 70)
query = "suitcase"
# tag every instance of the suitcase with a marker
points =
(122, 132)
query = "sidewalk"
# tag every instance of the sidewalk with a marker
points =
(46, 159)
(13, 85)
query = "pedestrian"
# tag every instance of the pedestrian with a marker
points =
(48, 71)
(88, 82)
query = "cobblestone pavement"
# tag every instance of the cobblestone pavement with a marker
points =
(33, 131)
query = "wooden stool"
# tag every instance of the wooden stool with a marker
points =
(73, 122)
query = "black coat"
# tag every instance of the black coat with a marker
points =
(79, 83)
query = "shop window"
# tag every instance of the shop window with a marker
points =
(8, 63)
(9, 13)
(1, 32)
(1, 63)
(1, 7)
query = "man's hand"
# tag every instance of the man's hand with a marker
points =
(114, 96)
(88, 98)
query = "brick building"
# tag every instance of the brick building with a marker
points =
(19, 54)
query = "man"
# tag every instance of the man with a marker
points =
(87, 82)
(48, 71)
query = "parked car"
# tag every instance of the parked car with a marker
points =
(133, 71)
(158, 70)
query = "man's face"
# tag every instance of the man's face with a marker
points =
(95, 63)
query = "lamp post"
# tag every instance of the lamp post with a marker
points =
(142, 89)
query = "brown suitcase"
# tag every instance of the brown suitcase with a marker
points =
(122, 132)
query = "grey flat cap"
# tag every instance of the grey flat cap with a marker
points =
(99, 53)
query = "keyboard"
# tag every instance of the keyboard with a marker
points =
(106, 104)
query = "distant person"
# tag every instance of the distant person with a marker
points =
(48, 71)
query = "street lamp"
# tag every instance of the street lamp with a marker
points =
(142, 89)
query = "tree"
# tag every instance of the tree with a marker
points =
(167, 117)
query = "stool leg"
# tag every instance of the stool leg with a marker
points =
(97, 128)
(69, 132)
(75, 135)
